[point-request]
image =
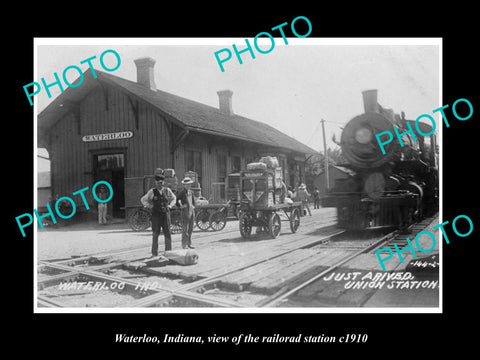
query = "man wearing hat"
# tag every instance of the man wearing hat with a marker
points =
(102, 194)
(186, 201)
(160, 199)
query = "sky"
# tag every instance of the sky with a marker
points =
(291, 88)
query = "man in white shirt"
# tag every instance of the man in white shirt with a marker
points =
(160, 199)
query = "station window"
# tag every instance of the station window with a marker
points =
(110, 161)
(221, 174)
(221, 167)
(236, 164)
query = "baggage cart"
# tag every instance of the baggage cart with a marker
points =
(263, 205)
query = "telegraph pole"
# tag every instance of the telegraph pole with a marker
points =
(327, 177)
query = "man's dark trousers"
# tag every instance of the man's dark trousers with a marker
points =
(161, 221)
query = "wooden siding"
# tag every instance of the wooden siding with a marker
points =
(107, 109)
(72, 159)
(210, 146)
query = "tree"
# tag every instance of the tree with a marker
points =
(315, 164)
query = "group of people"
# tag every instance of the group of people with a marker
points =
(302, 194)
(161, 200)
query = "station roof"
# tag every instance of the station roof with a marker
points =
(188, 114)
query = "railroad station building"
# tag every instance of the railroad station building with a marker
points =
(113, 129)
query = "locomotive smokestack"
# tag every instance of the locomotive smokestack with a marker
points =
(370, 103)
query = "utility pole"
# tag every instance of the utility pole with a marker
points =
(327, 177)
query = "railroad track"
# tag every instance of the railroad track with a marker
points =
(79, 270)
(201, 292)
(386, 241)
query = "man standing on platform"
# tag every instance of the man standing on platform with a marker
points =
(316, 198)
(187, 203)
(160, 199)
(303, 196)
(102, 194)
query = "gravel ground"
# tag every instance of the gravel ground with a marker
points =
(88, 238)
(69, 239)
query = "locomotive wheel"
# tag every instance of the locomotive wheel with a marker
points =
(274, 225)
(139, 220)
(245, 224)
(203, 220)
(294, 220)
(217, 220)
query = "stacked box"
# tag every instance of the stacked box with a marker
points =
(278, 177)
(169, 173)
(171, 182)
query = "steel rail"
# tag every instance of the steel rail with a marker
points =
(161, 294)
(147, 301)
(284, 292)
(166, 293)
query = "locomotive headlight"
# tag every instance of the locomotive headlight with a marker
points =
(363, 135)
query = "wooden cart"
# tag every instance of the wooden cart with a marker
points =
(262, 203)
(140, 219)
(212, 216)
(269, 219)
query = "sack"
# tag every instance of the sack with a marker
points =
(182, 257)
(270, 161)
(201, 201)
(169, 173)
(257, 166)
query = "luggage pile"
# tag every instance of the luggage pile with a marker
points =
(265, 163)
(171, 180)
(267, 191)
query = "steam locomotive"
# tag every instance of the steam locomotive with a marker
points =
(393, 189)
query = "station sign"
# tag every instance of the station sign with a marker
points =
(109, 136)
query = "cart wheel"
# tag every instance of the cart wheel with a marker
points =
(217, 220)
(274, 225)
(176, 227)
(139, 220)
(175, 221)
(245, 224)
(203, 220)
(294, 220)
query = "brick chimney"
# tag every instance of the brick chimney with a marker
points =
(145, 74)
(225, 101)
